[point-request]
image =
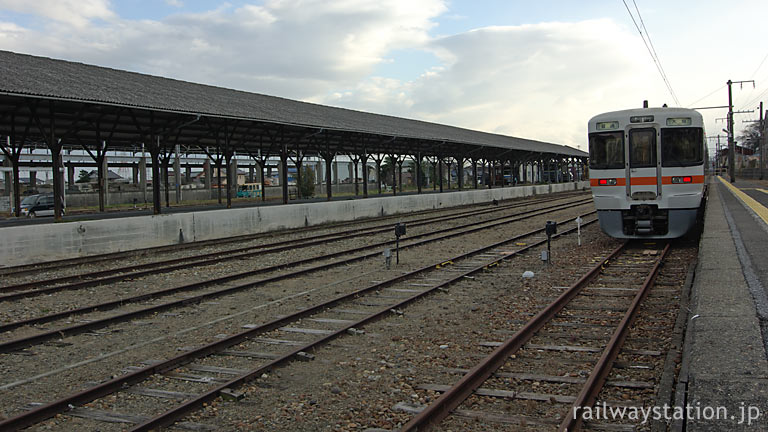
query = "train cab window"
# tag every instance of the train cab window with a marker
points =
(682, 146)
(642, 148)
(606, 150)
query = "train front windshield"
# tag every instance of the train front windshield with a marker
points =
(606, 150)
(682, 147)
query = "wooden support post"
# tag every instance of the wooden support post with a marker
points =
(328, 169)
(154, 151)
(364, 160)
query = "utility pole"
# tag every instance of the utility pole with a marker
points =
(762, 142)
(717, 158)
(731, 143)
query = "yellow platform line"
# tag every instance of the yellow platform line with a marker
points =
(765, 191)
(758, 208)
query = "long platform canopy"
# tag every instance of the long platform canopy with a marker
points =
(92, 104)
(68, 105)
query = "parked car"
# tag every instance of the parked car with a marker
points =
(249, 190)
(38, 205)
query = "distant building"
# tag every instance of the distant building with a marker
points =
(241, 177)
(93, 177)
(743, 156)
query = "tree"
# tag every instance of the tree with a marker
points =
(84, 177)
(425, 168)
(387, 167)
(750, 136)
(307, 185)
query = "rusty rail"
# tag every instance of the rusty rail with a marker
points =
(588, 395)
(62, 405)
(453, 397)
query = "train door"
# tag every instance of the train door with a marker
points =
(642, 169)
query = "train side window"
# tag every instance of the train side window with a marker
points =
(642, 148)
(681, 147)
(606, 150)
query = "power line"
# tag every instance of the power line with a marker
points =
(761, 65)
(653, 49)
(652, 52)
(754, 87)
(753, 100)
(708, 95)
(756, 99)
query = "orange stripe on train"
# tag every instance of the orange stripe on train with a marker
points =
(648, 181)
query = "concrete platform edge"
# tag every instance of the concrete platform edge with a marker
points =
(724, 360)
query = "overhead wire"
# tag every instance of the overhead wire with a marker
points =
(708, 95)
(759, 66)
(651, 51)
(751, 102)
(754, 100)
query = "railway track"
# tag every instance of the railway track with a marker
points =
(101, 277)
(274, 344)
(266, 275)
(380, 223)
(527, 382)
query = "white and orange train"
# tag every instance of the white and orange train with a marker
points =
(647, 171)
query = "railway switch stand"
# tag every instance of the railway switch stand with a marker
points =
(399, 231)
(550, 229)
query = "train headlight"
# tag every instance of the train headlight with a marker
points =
(607, 182)
(681, 180)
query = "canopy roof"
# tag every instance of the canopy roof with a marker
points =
(86, 105)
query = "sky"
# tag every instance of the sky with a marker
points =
(537, 70)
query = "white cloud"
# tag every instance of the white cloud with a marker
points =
(539, 81)
(292, 48)
(533, 81)
(77, 13)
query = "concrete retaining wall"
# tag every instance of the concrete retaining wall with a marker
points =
(37, 243)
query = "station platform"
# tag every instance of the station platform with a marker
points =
(723, 382)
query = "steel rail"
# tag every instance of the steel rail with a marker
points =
(588, 395)
(20, 343)
(201, 260)
(49, 265)
(169, 417)
(64, 404)
(434, 413)
(130, 271)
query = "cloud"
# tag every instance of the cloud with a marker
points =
(292, 48)
(77, 13)
(532, 80)
(540, 81)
